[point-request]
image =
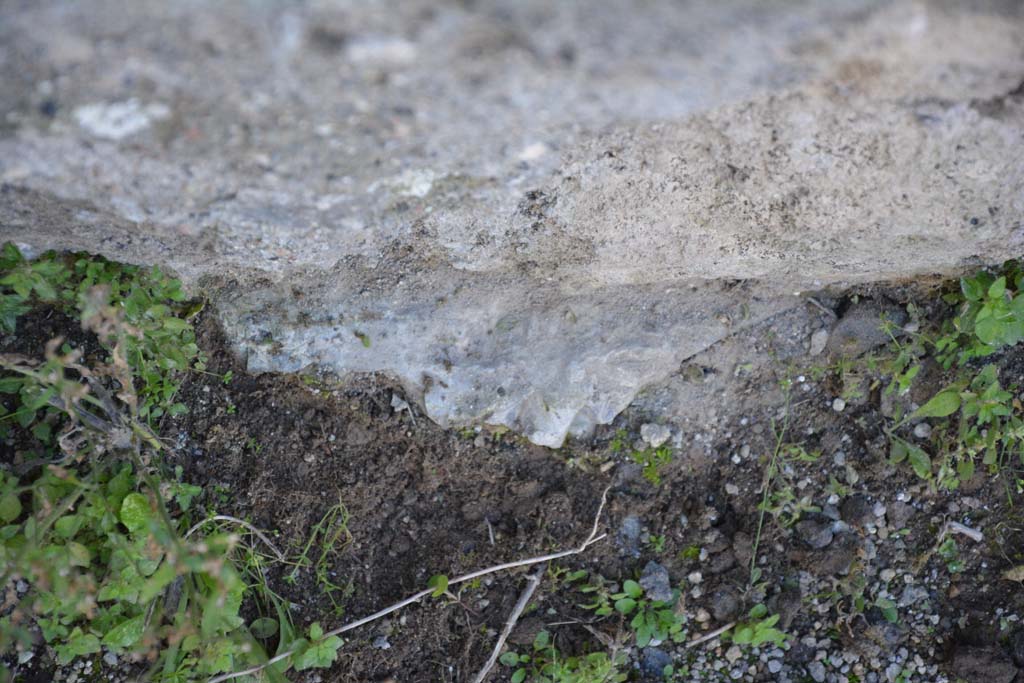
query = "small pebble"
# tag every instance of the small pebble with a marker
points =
(654, 434)
(818, 341)
(839, 405)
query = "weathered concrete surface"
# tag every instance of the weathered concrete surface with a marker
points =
(527, 210)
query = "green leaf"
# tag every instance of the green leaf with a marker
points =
(78, 644)
(220, 611)
(519, 676)
(159, 580)
(135, 512)
(439, 582)
(42, 431)
(920, 461)
(758, 611)
(26, 416)
(542, 640)
(321, 654)
(125, 587)
(119, 486)
(625, 605)
(184, 493)
(11, 385)
(264, 628)
(509, 659)
(997, 288)
(10, 256)
(942, 404)
(287, 637)
(78, 554)
(10, 508)
(632, 588)
(127, 633)
(987, 329)
(176, 325)
(743, 635)
(972, 288)
(316, 631)
(899, 452)
(45, 290)
(888, 609)
(965, 470)
(68, 525)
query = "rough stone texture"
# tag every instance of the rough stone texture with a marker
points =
(817, 534)
(656, 582)
(526, 211)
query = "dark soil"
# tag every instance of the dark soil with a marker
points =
(281, 451)
(420, 499)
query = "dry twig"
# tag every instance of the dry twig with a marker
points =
(958, 528)
(709, 636)
(531, 585)
(240, 522)
(591, 539)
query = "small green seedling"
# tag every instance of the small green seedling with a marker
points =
(317, 651)
(652, 460)
(656, 543)
(545, 664)
(758, 629)
(652, 619)
(438, 582)
(950, 554)
(991, 316)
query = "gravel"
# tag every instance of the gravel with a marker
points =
(656, 582)
(816, 534)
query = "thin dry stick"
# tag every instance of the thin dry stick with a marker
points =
(958, 528)
(828, 311)
(591, 539)
(531, 585)
(240, 522)
(709, 636)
